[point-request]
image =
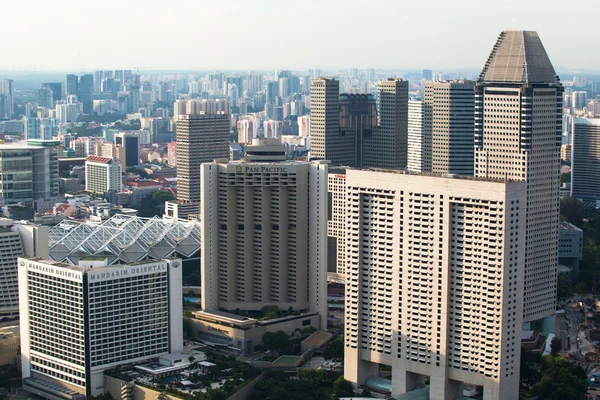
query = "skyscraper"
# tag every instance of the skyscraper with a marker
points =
(518, 127)
(419, 136)
(452, 106)
(585, 161)
(71, 85)
(131, 143)
(85, 93)
(200, 138)
(7, 98)
(388, 146)
(434, 282)
(56, 88)
(358, 117)
(328, 141)
(263, 232)
(427, 74)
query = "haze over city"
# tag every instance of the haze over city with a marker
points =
(271, 34)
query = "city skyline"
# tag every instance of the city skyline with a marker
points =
(133, 36)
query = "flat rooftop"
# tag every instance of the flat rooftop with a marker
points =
(567, 226)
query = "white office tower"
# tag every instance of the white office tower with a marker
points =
(17, 239)
(518, 133)
(434, 282)
(264, 233)
(78, 321)
(419, 136)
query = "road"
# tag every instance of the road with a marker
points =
(577, 348)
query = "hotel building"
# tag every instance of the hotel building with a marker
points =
(78, 321)
(264, 232)
(518, 134)
(434, 281)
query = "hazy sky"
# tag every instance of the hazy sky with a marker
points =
(236, 34)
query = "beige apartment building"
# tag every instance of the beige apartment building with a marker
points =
(200, 138)
(518, 133)
(434, 281)
(263, 234)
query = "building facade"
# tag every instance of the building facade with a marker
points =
(358, 117)
(17, 240)
(30, 172)
(423, 255)
(131, 143)
(518, 134)
(200, 138)
(327, 141)
(78, 321)
(452, 105)
(103, 174)
(419, 136)
(388, 146)
(585, 162)
(263, 234)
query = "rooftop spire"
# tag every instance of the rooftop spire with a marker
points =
(518, 57)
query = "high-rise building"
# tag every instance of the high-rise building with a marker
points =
(71, 84)
(7, 98)
(263, 232)
(427, 74)
(45, 97)
(419, 136)
(200, 138)
(110, 150)
(424, 253)
(585, 162)
(79, 320)
(388, 146)
(56, 88)
(17, 239)
(103, 174)
(578, 99)
(31, 172)
(131, 143)
(85, 93)
(452, 106)
(518, 131)
(328, 142)
(358, 117)
(566, 152)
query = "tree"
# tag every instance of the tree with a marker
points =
(555, 346)
(565, 178)
(564, 289)
(275, 341)
(334, 349)
(342, 387)
(571, 210)
(531, 368)
(561, 380)
(216, 395)
(279, 394)
(581, 289)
